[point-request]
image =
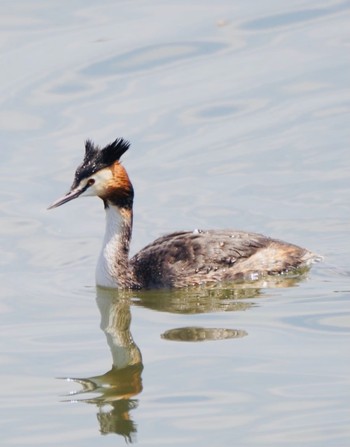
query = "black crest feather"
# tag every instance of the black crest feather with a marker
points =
(96, 159)
(114, 151)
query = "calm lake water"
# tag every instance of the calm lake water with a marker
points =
(238, 114)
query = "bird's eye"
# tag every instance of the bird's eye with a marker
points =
(91, 181)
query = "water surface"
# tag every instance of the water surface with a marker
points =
(238, 116)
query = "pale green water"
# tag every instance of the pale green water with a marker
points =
(238, 114)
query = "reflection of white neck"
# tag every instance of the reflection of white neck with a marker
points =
(115, 322)
(112, 249)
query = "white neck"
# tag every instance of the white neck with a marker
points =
(112, 258)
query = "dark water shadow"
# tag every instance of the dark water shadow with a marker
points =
(195, 334)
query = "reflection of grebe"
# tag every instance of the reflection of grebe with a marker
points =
(178, 259)
(115, 392)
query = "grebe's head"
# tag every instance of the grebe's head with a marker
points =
(101, 174)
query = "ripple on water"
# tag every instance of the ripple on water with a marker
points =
(297, 17)
(150, 58)
(218, 111)
(328, 323)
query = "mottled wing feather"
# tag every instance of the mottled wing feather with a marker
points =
(190, 258)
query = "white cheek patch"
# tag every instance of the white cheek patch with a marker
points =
(101, 178)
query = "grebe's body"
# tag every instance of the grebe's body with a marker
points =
(176, 260)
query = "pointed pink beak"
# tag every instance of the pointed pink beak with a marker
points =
(67, 198)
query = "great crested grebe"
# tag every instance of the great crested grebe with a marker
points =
(180, 259)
